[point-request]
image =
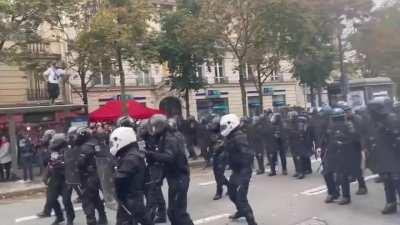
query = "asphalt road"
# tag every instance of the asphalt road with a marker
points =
(279, 200)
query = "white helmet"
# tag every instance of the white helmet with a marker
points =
(121, 137)
(228, 123)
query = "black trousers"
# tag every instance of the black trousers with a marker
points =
(190, 142)
(154, 196)
(238, 189)
(274, 158)
(177, 200)
(133, 211)
(219, 166)
(57, 187)
(391, 182)
(302, 164)
(260, 159)
(27, 167)
(341, 182)
(91, 200)
(5, 169)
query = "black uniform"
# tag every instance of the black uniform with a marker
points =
(90, 183)
(301, 138)
(240, 158)
(176, 168)
(220, 161)
(57, 186)
(129, 180)
(383, 145)
(154, 181)
(203, 140)
(342, 158)
(255, 133)
(278, 145)
(188, 128)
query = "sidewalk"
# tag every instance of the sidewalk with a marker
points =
(15, 188)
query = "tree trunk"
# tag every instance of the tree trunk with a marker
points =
(84, 89)
(319, 93)
(260, 88)
(187, 102)
(122, 81)
(243, 87)
(312, 96)
(343, 75)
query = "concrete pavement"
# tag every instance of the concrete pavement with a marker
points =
(279, 200)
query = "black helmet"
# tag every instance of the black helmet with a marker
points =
(58, 141)
(344, 105)
(214, 125)
(157, 124)
(47, 136)
(337, 114)
(380, 107)
(172, 124)
(82, 134)
(126, 121)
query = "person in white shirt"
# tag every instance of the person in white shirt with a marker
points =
(5, 159)
(53, 75)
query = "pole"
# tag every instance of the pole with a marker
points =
(12, 133)
(343, 75)
(122, 81)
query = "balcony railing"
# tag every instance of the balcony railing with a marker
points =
(145, 82)
(42, 50)
(221, 80)
(37, 94)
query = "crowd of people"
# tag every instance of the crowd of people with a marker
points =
(142, 154)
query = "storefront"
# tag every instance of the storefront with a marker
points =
(254, 105)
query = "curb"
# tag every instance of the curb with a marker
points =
(36, 190)
(31, 191)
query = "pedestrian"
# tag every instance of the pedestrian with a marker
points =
(129, 178)
(240, 159)
(171, 152)
(53, 75)
(26, 157)
(5, 159)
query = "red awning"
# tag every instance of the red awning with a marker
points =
(112, 110)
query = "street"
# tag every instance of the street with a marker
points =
(280, 200)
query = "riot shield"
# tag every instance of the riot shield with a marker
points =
(72, 175)
(105, 172)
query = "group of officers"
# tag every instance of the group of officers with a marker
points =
(142, 154)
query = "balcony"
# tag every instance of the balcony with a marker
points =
(42, 50)
(221, 80)
(145, 81)
(37, 94)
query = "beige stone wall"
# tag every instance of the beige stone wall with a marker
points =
(13, 85)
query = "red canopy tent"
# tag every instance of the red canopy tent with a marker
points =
(112, 110)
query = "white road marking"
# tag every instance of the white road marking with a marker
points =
(207, 183)
(28, 218)
(322, 189)
(211, 218)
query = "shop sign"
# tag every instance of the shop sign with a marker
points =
(39, 117)
(79, 121)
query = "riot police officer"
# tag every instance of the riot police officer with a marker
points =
(171, 152)
(91, 201)
(129, 177)
(154, 176)
(278, 144)
(240, 158)
(255, 134)
(219, 157)
(341, 156)
(56, 184)
(383, 142)
(301, 139)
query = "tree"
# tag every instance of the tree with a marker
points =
(236, 23)
(185, 44)
(285, 28)
(378, 44)
(339, 15)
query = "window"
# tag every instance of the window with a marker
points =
(219, 71)
(102, 79)
(254, 105)
(248, 72)
(279, 100)
(275, 77)
(144, 78)
(200, 71)
(217, 106)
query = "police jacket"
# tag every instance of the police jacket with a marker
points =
(129, 172)
(172, 154)
(240, 156)
(87, 159)
(56, 163)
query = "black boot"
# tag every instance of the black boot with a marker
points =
(102, 219)
(217, 197)
(295, 175)
(362, 191)
(330, 199)
(250, 219)
(301, 176)
(43, 215)
(259, 172)
(390, 208)
(70, 222)
(161, 216)
(58, 221)
(344, 201)
(236, 216)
